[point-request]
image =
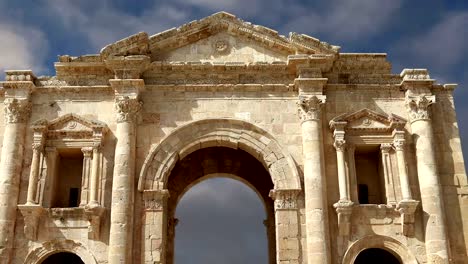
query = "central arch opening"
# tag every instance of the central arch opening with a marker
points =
(220, 221)
(63, 257)
(220, 189)
(377, 255)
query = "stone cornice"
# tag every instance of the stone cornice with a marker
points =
(128, 67)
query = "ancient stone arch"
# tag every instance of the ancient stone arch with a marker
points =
(227, 133)
(48, 248)
(383, 242)
(221, 132)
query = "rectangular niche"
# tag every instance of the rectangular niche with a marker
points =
(68, 178)
(370, 175)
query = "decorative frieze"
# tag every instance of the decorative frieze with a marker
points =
(309, 107)
(418, 106)
(127, 108)
(17, 110)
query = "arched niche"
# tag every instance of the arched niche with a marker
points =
(389, 244)
(39, 254)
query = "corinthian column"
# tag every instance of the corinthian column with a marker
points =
(431, 192)
(120, 240)
(16, 115)
(314, 179)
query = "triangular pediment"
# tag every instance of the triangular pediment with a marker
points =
(366, 119)
(71, 125)
(219, 37)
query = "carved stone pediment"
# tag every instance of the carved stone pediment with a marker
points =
(219, 34)
(70, 126)
(366, 119)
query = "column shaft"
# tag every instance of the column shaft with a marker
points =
(120, 240)
(10, 166)
(431, 193)
(94, 182)
(404, 180)
(342, 179)
(33, 175)
(315, 200)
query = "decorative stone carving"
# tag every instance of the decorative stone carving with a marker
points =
(285, 199)
(418, 106)
(127, 109)
(407, 208)
(155, 200)
(339, 144)
(94, 216)
(17, 110)
(310, 107)
(32, 215)
(344, 209)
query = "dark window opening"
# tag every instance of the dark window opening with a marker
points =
(67, 181)
(363, 194)
(376, 255)
(369, 175)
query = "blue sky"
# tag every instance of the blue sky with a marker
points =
(416, 34)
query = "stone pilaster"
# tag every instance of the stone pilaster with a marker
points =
(17, 110)
(314, 179)
(87, 156)
(388, 174)
(94, 180)
(288, 249)
(418, 100)
(156, 226)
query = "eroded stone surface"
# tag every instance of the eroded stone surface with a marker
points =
(227, 92)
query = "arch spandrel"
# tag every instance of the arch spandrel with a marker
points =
(48, 248)
(232, 133)
(383, 242)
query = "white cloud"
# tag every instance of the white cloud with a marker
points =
(22, 47)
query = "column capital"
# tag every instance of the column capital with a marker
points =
(37, 147)
(310, 107)
(155, 200)
(285, 199)
(127, 108)
(418, 106)
(399, 144)
(386, 147)
(17, 110)
(87, 152)
(339, 144)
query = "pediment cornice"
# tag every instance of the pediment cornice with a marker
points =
(368, 120)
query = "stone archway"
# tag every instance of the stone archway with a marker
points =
(219, 133)
(39, 254)
(393, 246)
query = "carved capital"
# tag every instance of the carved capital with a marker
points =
(309, 107)
(344, 209)
(32, 215)
(127, 109)
(17, 110)
(285, 199)
(87, 152)
(399, 144)
(155, 200)
(385, 148)
(339, 144)
(418, 106)
(407, 208)
(37, 147)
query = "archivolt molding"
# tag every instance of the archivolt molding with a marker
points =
(48, 248)
(232, 133)
(375, 241)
